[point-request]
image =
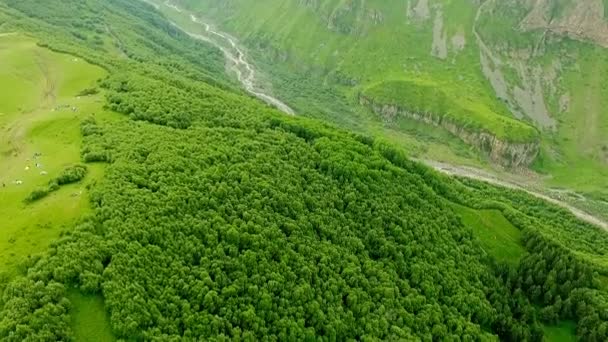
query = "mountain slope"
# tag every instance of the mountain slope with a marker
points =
(196, 233)
(221, 218)
(500, 69)
(365, 44)
(565, 74)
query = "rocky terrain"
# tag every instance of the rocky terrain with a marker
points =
(504, 153)
(581, 19)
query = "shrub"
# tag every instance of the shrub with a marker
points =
(71, 174)
(36, 195)
(88, 92)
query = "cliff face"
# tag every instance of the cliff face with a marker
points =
(507, 154)
(579, 19)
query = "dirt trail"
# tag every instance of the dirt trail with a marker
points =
(473, 173)
(234, 55)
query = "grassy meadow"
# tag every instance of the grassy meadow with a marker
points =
(562, 332)
(40, 114)
(90, 320)
(497, 235)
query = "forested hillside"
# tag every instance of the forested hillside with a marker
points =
(218, 217)
(515, 83)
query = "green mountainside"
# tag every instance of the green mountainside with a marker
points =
(202, 213)
(519, 82)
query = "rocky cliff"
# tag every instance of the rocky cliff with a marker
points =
(507, 154)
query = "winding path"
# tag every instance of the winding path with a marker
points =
(234, 55)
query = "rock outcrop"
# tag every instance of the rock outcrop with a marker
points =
(507, 154)
(420, 11)
(581, 19)
(440, 40)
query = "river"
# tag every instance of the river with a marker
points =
(235, 57)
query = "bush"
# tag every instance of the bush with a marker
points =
(88, 92)
(36, 195)
(93, 157)
(71, 174)
(89, 126)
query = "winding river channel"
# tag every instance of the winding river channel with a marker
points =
(235, 57)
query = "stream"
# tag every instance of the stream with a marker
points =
(236, 58)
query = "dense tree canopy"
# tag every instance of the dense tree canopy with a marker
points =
(219, 218)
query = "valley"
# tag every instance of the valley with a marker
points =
(236, 59)
(249, 82)
(531, 94)
(300, 170)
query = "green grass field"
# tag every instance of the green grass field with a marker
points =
(421, 96)
(38, 94)
(90, 321)
(497, 235)
(563, 332)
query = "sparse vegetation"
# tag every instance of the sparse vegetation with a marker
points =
(71, 174)
(89, 92)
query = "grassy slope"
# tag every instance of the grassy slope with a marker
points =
(582, 137)
(498, 236)
(563, 332)
(429, 97)
(90, 321)
(575, 154)
(33, 82)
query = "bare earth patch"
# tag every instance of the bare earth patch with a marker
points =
(420, 12)
(440, 44)
(583, 20)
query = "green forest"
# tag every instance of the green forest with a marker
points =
(219, 218)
